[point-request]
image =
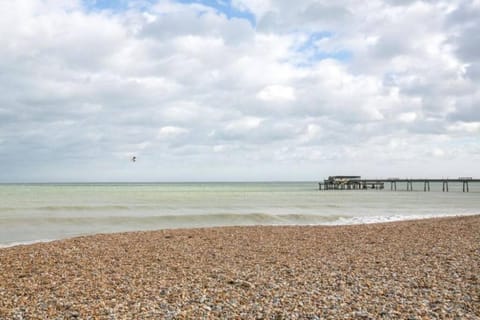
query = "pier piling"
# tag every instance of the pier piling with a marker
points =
(357, 183)
(409, 185)
(393, 185)
(426, 186)
(445, 186)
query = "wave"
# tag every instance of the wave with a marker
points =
(215, 219)
(67, 208)
(20, 243)
(227, 218)
(52, 228)
(396, 217)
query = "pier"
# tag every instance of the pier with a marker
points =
(357, 183)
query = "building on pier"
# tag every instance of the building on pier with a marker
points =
(349, 183)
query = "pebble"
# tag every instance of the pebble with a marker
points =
(404, 270)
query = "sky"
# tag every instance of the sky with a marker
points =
(238, 90)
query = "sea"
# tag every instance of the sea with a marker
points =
(44, 212)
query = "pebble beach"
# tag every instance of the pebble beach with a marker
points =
(420, 269)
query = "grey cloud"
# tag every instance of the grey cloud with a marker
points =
(465, 36)
(473, 71)
(392, 44)
(467, 109)
(315, 16)
(187, 22)
(316, 12)
(469, 43)
(401, 2)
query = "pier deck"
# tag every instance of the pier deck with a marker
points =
(356, 183)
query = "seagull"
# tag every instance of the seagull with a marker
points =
(134, 159)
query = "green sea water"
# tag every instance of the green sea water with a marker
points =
(42, 212)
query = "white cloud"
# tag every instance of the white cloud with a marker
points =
(312, 132)
(244, 124)
(169, 132)
(312, 80)
(438, 152)
(259, 7)
(465, 127)
(407, 117)
(276, 93)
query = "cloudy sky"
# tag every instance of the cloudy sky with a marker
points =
(238, 89)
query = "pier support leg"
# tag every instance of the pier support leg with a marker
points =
(467, 187)
(445, 186)
(409, 186)
(463, 186)
(426, 186)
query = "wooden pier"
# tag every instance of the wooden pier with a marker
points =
(357, 183)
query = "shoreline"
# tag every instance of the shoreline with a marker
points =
(351, 221)
(417, 268)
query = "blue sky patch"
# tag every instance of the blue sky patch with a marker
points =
(341, 55)
(226, 8)
(310, 43)
(221, 6)
(114, 5)
(310, 49)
